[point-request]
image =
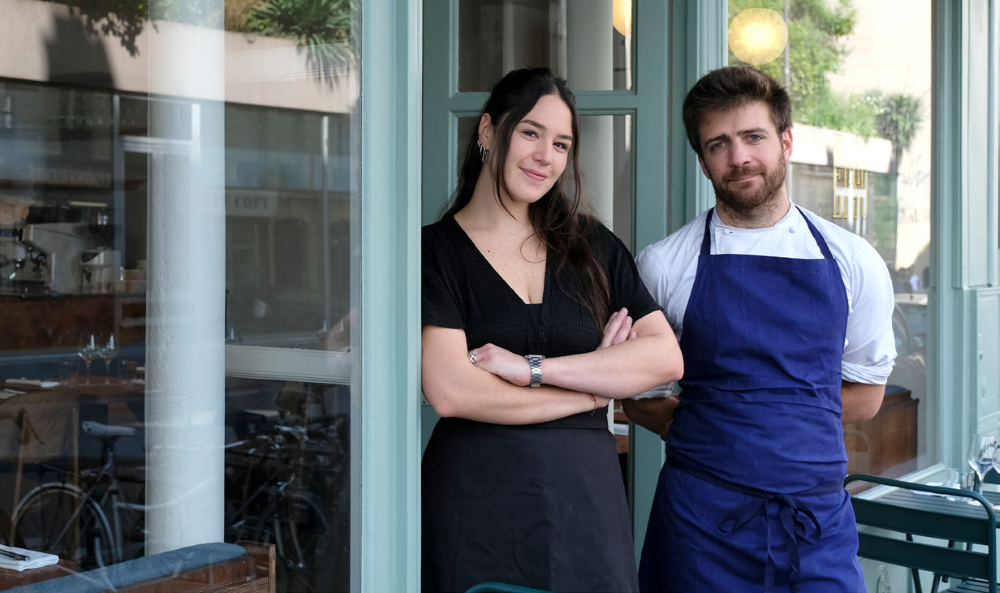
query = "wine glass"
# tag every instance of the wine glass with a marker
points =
(108, 351)
(88, 349)
(982, 450)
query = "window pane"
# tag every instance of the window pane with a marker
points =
(861, 158)
(178, 262)
(288, 467)
(587, 42)
(288, 271)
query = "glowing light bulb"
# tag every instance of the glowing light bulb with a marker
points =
(757, 35)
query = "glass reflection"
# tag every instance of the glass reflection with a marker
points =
(108, 154)
(860, 100)
(285, 197)
(587, 42)
(288, 477)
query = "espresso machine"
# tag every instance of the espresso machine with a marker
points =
(101, 270)
(61, 243)
(19, 275)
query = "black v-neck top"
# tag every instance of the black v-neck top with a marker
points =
(461, 290)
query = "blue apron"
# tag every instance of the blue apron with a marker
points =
(751, 497)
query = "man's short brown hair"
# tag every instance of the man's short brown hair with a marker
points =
(731, 88)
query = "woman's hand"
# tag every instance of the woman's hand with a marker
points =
(502, 363)
(618, 329)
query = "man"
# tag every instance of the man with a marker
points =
(784, 321)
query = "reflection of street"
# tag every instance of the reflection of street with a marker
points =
(288, 477)
(909, 324)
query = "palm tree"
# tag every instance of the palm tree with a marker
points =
(898, 120)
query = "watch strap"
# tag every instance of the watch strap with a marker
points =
(535, 364)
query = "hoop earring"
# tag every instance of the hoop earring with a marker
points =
(483, 153)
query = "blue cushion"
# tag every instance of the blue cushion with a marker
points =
(135, 571)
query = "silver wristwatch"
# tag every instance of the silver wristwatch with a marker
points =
(535, 363)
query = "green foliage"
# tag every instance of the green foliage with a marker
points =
(817, 32)
(118, 18)
(126, 19)
(323, 27)
(816, 36)
(899, 119)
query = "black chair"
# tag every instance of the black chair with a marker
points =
(952, 537)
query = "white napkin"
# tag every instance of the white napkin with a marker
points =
(943, 484)
(34, 382)
(35, 559)
(5, 393)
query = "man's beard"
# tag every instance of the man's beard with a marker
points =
(747, 201)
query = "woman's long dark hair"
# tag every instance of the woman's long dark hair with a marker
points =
(556, 217)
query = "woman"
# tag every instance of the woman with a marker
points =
(521, 485)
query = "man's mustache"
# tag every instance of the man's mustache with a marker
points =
(743, 172)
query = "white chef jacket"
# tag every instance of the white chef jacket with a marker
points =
(668, 268)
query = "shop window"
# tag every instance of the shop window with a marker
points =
(862, 159)
(178, 272)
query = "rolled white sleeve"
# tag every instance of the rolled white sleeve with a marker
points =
(870, 352)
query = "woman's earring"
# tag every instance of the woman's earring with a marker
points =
(483, 153)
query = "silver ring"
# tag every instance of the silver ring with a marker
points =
(472, 356)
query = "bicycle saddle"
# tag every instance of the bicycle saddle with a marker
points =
(101, 431)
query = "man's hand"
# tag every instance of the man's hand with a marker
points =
(655, 414)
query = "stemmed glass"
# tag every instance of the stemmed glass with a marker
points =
(88, 349)
(982, 451)
(108, 350)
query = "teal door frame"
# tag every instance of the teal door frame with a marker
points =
(385, 526)
(697, 44)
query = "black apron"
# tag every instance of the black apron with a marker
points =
(541, 506)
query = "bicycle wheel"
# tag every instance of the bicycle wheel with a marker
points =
(51, 518)
(300, 529)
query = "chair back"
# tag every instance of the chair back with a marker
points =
(37, 427)
(494, 587)
(957, 541)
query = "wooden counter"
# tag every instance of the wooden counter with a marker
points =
(885, 445)
(54, 322)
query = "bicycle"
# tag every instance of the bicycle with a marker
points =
(70, 521)
(273, 495)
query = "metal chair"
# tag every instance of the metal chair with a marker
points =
(951, 544)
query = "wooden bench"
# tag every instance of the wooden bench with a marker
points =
(202, 568)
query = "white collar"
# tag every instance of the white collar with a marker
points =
(785, 221)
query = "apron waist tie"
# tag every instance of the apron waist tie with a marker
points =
(792, 512)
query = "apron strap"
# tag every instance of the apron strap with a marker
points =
(798, 522)
(820, 241)
(706, 241)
